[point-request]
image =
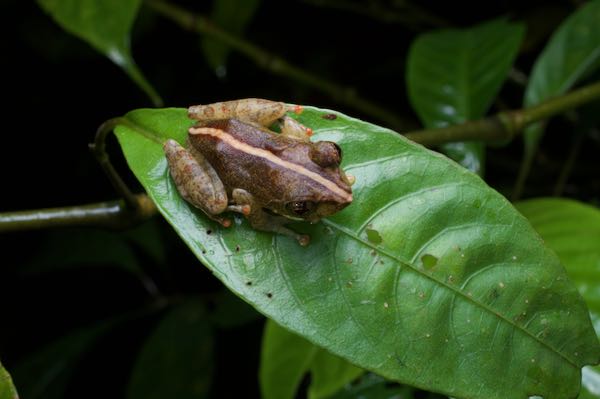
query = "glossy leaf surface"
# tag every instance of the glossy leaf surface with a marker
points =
(176, 359)
(572, 53)
(490, 314)
(572, 230)
(7, 389)
(106, 26)
(453, 75)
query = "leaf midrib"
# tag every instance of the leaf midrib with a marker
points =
(459, 293)
(153, 137)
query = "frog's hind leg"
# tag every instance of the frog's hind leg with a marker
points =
(197, 181)
(256, 110)
(294, 129)
(261, 220)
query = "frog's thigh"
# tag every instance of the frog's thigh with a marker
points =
(263, 112)
(195, 178)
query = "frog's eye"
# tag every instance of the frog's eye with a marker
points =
(300, 207)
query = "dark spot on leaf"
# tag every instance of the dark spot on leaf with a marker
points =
(237, 248)
(329, 117)
(374, 236)
(209, 232)
(248, 283)
(349, 260)
(269, 295)
(204, 251)
(429, 261)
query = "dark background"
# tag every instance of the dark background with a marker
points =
(57, 90)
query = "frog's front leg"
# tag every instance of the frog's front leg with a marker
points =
(198, 183)
(261, 220)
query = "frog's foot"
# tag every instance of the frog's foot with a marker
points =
(261, 220)
(294, 129)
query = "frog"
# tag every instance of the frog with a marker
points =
(233, 162)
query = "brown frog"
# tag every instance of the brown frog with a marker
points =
(233, 162)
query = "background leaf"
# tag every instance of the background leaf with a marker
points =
(329, 374)
(453, 76)
(7, 389)
(176, 359)
(572, 230)
(106, 26)
(494, 285)
(572, 53)
(232, 16)
(286, 358)
(46, 373)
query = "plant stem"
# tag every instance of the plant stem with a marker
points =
(569, 163)
(273, 63)
(112, 214)
(505, 125)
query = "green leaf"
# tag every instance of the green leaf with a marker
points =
(497, 303)
(453, 75)
(572, 53)
(286, 358)
(232, 16)
(329, 374)
(105, 25)
(176, 359)
(7, 389)
(572, 230)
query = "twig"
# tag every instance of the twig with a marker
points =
(112, 214)
(98, 148)
(506, 125)
(559, 187)
(273, 63)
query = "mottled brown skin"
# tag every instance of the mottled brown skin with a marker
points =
(235, 163)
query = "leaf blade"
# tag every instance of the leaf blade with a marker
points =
(572, 230)
(7, 389)
(284, 360)
(572, 53)
(106, 26)
(176, 359)
(453, 75)
(421, 204)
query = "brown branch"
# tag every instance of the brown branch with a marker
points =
(505, 125)
(112, 214)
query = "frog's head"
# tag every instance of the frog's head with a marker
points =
(326, 190)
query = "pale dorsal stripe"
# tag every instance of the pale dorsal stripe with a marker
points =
(269, 156)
